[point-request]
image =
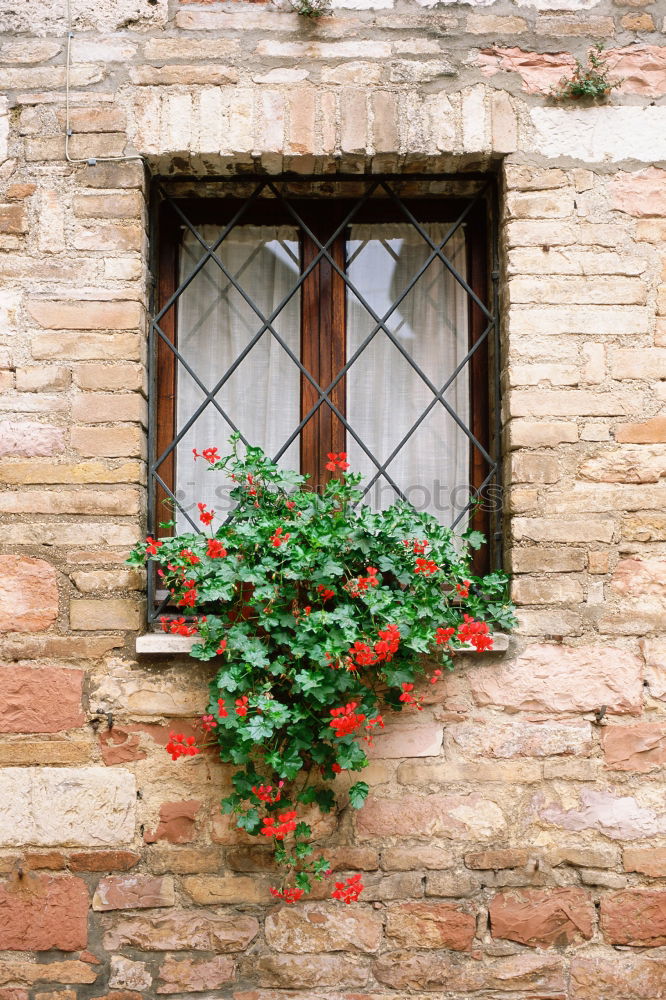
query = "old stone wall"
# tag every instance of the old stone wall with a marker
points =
(514, 845)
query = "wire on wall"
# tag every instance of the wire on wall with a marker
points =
(90, 160)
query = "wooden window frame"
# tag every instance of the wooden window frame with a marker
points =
(323, 320)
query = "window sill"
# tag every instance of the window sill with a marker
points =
(159, 643)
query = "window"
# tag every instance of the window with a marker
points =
(328, 315)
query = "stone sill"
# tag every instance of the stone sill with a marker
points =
(158, 642)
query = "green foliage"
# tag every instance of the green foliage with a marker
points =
(312, 8)
(589, 80)
(316, 611)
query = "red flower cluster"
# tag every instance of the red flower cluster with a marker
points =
(205, 516)
(337, 460)
(436, 674)
(189, 598)
(345, 721)
(208, 722)
(389, 640)
(361, 583)
(426, 566)
(221, 710)
(408, 698)
(180, 745)
(463, 588)
(278, 538)
(418, 545)
(267, 793)
(189, 557)
(241, 705)
(210, 454)
(286, 824)
(216, 550)
(288, 895)
(324, 592)
(348, 891)
(386, 646)
(221, 648)
(177, 626)
(152, 545)
(362, 655)
(475, 633)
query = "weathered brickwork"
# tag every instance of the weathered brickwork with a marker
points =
(514, 842)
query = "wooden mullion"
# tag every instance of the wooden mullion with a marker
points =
(479, 385)
(165, 362)
(323, 307)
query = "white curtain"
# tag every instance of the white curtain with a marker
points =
(385, 396)
(215, 325)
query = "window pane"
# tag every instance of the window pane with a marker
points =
(215, 325)
(385, 395)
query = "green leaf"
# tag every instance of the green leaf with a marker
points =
(358, 793)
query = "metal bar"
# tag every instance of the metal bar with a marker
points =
(427, 410)
(198, 381)
(204, 260)
(266, 323)
(445, 261)
(389, 334)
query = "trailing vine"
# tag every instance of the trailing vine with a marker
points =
(319, 614)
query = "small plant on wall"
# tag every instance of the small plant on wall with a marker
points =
(588, 80)
(320, 615)
(312, 8)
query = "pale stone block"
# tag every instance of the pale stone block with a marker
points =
(599, 134)
(51, 806)
(475, 120)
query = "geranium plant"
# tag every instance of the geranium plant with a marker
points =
(319, 614)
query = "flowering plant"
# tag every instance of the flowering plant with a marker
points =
(317, 611)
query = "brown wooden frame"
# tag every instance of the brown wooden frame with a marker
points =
(323, 316)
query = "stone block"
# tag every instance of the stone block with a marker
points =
(640, 748)
(323, 928)
(430, 925)
(194, 975)
(28, 595)
(181, 930)
(68, 806)
(133, 892)
(549, 678)
(634, 917)
(41, 912)
(542, 917)
(39, 699)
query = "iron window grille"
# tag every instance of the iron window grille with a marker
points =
(465, 201)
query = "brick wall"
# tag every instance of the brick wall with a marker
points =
(514, 844)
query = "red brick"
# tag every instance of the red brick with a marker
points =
(54, 861)
(542, 917)
(635, 748)
(176, 823)
(103, 861)
(39, 699)
(40, 912)
(646, 860)
(12, 219)
(119, 746)
(430, 925)
(635, 917)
